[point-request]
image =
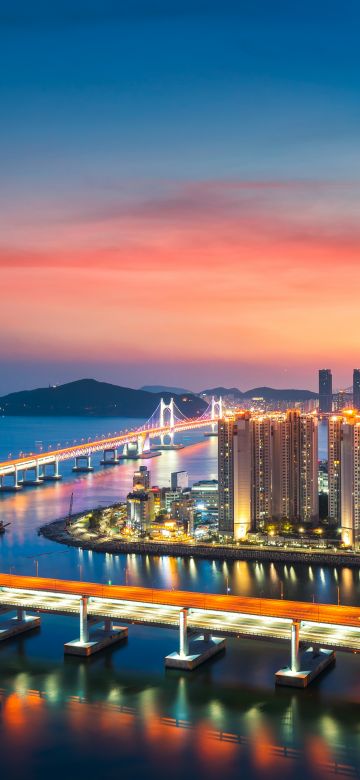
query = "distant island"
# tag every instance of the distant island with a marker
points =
(87, 397)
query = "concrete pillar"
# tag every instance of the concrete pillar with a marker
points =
(84, 634)
(140, 445)
(183, 644)
(295, 641)
(108, 625)
(21, 614)
(56, 468)
(16, 478)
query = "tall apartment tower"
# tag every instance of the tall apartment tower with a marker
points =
(262, 458)
(356, 389)
(344, 476)
(295, 467)
(268, 468)
(325, 390)
(235, 484)
(334, 467)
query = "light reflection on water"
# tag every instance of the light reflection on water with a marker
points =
(121, 711)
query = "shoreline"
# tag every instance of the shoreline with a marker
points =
(56, 532)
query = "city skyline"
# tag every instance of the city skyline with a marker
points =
(171, 215)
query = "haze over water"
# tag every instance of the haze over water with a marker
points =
(95, 716)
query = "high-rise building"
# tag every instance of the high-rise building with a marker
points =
(356, 389)
(235, 475)
(325, 390)
(344, 475)
(261, 428)
(295, 467)
(142, 479)
(277, 452)
(334, 467)
(140, 510)
(179, 480)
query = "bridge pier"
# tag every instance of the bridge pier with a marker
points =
(19, 624)
(305, 665)
(95, 639)
(45, 476)
(14, 485)
(170, 445)
(36, 479)
(83, 464)
(194, 652)
(110, 457)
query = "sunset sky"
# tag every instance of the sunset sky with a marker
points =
(179, 196)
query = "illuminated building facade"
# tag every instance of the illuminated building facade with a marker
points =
(356, 389)
(325, 390)
(344, 475)
(206, 493)
(235, 475)
(179, 480)
(140, 510)
(142, 479)
(268, 468)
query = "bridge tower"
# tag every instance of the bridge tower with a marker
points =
(216, 408)
(167, 408)
(171, 419)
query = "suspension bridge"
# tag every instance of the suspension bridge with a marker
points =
(166, 421)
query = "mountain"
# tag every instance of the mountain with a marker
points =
(269, 393)
(87, 397)
(166, 389)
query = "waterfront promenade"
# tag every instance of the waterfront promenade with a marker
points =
(57, 531)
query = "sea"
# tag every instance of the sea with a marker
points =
(121, 714)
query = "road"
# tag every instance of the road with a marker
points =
(330, 625)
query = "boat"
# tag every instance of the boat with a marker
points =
(3, 526)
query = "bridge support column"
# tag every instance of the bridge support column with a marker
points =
(183, 638)
(195, 652)
(110, 457)
(304, 665)
(295, 645)
(83, 464)
(96, 639)
(20, 624)
(36, 478)
(45, 476)
(10, 486)
(84, 633)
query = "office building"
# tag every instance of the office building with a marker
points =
(356, 389)
(179, 480)
(325, 390)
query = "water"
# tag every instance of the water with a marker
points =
(121, 713)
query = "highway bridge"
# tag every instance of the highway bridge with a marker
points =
(166, 421)
(214, 615)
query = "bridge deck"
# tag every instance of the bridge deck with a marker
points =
(261, 607)
(89, 447)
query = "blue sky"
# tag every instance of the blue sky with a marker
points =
(116, 103)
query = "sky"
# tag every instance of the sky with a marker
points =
(179, 192)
